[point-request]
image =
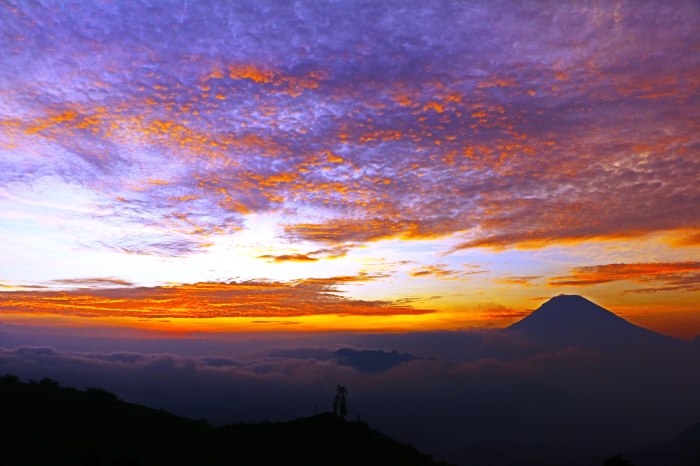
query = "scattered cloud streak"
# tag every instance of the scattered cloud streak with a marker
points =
(523, 280)
(673, 276)
(442, 272)
(313, 256)
(96, 282)
(249, 299)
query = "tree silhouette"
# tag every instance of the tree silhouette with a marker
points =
(49, 383)
(340, 407)
(10, 379)
(616, 460)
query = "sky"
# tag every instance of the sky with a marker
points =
(191, 167)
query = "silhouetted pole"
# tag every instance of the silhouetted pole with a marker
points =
(340, 406)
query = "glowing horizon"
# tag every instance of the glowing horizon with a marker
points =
(352, 167)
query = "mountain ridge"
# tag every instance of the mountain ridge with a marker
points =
(44, 423)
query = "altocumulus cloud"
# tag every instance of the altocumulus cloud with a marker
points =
(367, 120)
(667, 276)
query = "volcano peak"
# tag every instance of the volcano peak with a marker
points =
(575, 320)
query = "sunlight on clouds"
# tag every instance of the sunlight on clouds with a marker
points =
(473, 159)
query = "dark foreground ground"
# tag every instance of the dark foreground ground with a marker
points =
(44, 424)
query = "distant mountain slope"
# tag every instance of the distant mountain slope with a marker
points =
(44, 424)
(371, 360)
(574, 320)
(363, 360)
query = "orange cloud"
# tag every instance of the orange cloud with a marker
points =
(313, 256)
(672, 276)
(498, 312)
(256, 74)
(332, 281)
(249, 299)
(687, 238)
(282, 83)
(496, 82)
(337, 231)
(522, 280)
(289, 258)
(442, 272)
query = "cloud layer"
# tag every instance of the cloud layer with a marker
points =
(668, 276)
(250, 299)
(505, 122)
(495, 391)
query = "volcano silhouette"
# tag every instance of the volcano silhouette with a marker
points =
(572, 320)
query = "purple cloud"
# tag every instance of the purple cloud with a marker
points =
(507, 123)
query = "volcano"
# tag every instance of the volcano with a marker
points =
(572, 320)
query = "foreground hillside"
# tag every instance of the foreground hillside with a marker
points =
(43, 423)
(682, 450)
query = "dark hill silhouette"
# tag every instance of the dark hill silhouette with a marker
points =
(334, 441)
(43, 423)
(572, 320)
(683, 450)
